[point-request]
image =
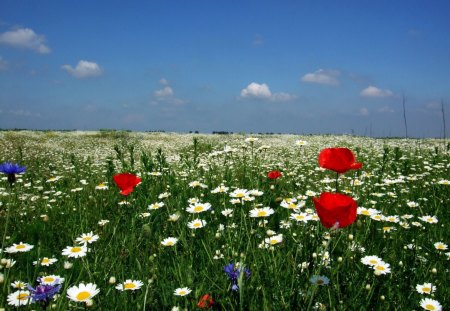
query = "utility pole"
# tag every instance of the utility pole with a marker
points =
(404, 116)
(443, 117)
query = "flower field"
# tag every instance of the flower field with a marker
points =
(154, 221)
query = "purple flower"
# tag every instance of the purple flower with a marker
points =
(11, 170)
(44, 293)
(234, 272)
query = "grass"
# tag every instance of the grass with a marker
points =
(50, 215)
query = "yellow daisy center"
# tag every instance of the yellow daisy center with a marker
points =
(196, 225)
(300, 217)
(292, 205)
(426, 289)
(440, 246)
(48, 279)
(373, 261)
(365, 212)
(239, 195)
(262, 213)
(182, 292)
(170, 243)
(45, 260)
(76, 249)
(273, 242)
(430, 307)
(87, 238)
(381, 268)
(130, 286)
(198, 208)
(20, 246)
(23, 296)
(83, 296)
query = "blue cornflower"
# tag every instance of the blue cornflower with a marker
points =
(11, 169)
(234, 273)
(44, 293)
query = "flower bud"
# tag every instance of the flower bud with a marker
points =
(112, 280)
(382, 297)
(368, 287)
(434, 270)
(350, 236)
(339, 259)
(68, 265)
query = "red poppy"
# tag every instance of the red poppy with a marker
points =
(335, 210)
(126, 182)
(339, 160)
(274, 174)
(205, 302)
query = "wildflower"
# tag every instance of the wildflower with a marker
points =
(300, 217)
(126, 182)
(82, 292)
(276, 239)
(430, 304)
(183, 291)
(426, 288)
(87, 238)
(45, 261)
(234, 272)
(335, 209)
(101, 186)
(220, 189)
(169, 241)
(412, 204)
(239, 193)
(19, 285)
(382, 268)
(261, 212)
(319, 280)
(440, 246)
(205, 302)
(301, 143)
(53, 179)
(129, 285)
(197, 184)
(196, 224)
(103, 222)
(371, 260)
(75, 251)
(19, 298)
(444, 182)
(11, 170)
(50, 280)
(19, 248)
(174, 217)
(198, 208)
(227, 212)
(156, 206)
(44, 293)
(339, 160)
(429, 219)
(274, 174)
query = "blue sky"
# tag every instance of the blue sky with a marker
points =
(253, 66)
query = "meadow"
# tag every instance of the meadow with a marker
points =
(207, 228)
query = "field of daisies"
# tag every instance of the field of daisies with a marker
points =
(115, 220)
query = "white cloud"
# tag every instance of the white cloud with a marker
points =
(84, 69)
(386, 109)
(25, 38)
(363, 112)
(166, 94)
(372, 91)
(3, 64)
(262, 91)
(321, 76)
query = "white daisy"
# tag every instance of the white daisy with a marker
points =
(82, 292)
(440, 246)
(174, 217)
(198, 208)
(169, 241)
(183, 291)
(382, 268)
(300, 217)
(51, 280)
(19, 285)
(45, 261)
(129, 285)
(21, 247)
(220, 189)
(275, 239)
(425, 288)
(196, 224)
(430, 304)
(261, 212)
(155, 206)
(319, 280)
(371, 260)
(75, 251)
(102, 186)
(19, 298)
(227, 212)
(87, 238)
